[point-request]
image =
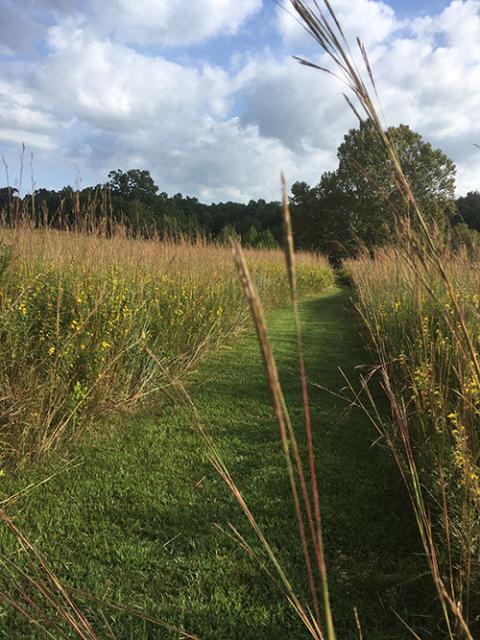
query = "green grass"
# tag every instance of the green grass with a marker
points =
(84, 320)
(134, 520)
(419, 338)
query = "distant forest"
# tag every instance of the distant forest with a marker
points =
(350, 207)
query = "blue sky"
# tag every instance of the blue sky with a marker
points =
(206, 95)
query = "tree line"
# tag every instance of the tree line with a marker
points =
(357, 205)
(132, 199)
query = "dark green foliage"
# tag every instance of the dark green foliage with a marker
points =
(359, 203)
(468, 210)
(132, 198)
(6, 196)
(132, 185)
(365, 177)
(463, 237)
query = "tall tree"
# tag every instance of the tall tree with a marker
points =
(365, 178)
(359, 203)
(133, 184)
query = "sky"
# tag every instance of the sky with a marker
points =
(206, 95)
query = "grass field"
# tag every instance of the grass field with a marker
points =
(94, 324)
(133, 513)
(428, 349)
(133, 519)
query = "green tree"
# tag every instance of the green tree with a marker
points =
(9, 202)
(364, 181)
(468, 210)
(266, 240)
(322, 218)
(227, 233)
(306, 215)
(464, 237)
(133, 184)
(251, 238)
(359, 202)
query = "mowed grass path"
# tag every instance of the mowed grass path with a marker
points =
(134, 520)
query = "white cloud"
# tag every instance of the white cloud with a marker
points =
(117, 107)
(213, 160)
(21, 120)
(427, 71)
(23, 24)
(294, 104)
(172, 22)
(227, 132)
(370, 20)
(160, 22)
(112, 86)
(431, 80)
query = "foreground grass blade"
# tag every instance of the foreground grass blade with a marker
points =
(424, 249)
(318, 535)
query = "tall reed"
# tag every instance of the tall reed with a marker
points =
(436, 398)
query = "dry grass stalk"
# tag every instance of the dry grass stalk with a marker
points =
(318, 533)
(50, 602)
(424, 249)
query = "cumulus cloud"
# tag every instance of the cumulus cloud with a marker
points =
(21, 118)
(112, 86)
(427, 71)
(293, 104)
(370, 20)
(122, 108)
(94, 97)
(118, 107)
(23, 24)
(172, 22)
(210, 159)
(169, 22)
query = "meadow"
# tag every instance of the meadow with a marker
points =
(91, 325)
(364, 518)
(140, 528)
(428, 368)
(105, 331)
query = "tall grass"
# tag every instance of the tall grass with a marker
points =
(86, 320)
(412, 328)
(445, 428)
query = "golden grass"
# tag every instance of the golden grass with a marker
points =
(431, 275)
(428, 374)
(81, 316)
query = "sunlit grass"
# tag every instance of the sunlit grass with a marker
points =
(413, 331)
(86, 321)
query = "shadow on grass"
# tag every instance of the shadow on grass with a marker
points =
(135, 521)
